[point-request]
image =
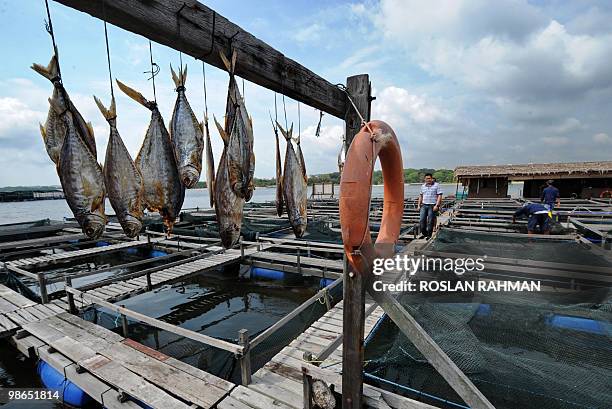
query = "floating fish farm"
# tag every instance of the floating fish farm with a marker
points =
(291, 302)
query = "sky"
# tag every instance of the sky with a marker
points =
(461, 82)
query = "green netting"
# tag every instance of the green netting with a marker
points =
(523, 247)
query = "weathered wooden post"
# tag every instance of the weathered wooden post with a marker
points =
(71, 307)
(245, 358)
(149, 283)
(359, 89)
(124, 324)
(299, 264)
(42, 283)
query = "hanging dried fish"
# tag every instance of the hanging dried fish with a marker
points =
(210, 165)
(80, 175)
(186, 134)
(228, 205)
(241, 162)
(295, 184)
(124, 185)
(156, 160)
(279, 175)
(54, 130)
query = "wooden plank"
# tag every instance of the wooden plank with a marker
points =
(104, 368)
(152, 366)
(204, 33)
(257, 400)
(14, 297)
(232, 403)
(7, 323)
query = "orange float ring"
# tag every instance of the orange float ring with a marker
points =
(375, 139)
(605, 194)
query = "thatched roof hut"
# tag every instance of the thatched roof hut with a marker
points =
(537, 170)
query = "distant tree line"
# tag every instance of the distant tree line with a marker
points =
(410, 176)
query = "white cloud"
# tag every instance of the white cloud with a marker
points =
(311, 33)
(602, 138)
(555, 140)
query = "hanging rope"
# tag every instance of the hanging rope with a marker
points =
(178, 29)
(318, 131)
(49, 28)
(108, 58)
(363, 121)
(205, 100)
(285, 109)
(154, 71)
(299, 122)
(275, 109)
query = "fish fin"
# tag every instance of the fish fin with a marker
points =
(286, 134)
(111, 112)
(202, 125)
(50, 72)
(226, 62)
(57, 106)
(224, 136)
(135, 95)
(175, 78)
(179, 80)
(90, 129)
(98, 203)
(43, 132)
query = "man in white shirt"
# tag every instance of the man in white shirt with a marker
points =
(428, 204)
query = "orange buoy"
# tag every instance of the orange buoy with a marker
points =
(375, 139)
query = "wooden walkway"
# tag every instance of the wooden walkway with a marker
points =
(125, 288)
(17, 310)
(289, 263)
(279, 384)
(69, 255)
(109, 364)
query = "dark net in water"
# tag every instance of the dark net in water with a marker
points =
(522, 350)
(523, 247)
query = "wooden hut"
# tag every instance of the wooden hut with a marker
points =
(573, 179)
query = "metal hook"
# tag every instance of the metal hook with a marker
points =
(154, 71)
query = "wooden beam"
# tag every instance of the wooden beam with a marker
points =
(353, 320)
(196, 30)
(430, 350)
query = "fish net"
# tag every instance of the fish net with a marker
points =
(546, 349)
(519, 351)
(523, 247)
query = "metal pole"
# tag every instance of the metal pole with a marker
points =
(42, 284)
(245, 359)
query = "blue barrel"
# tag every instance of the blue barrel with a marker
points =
(258, 272)
(157, 253)
(484, 310)
(324, 282)
(54, 380)
(578, 324)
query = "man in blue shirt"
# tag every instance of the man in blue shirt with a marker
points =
(428, 203)
(550, 196)
(539, 216)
